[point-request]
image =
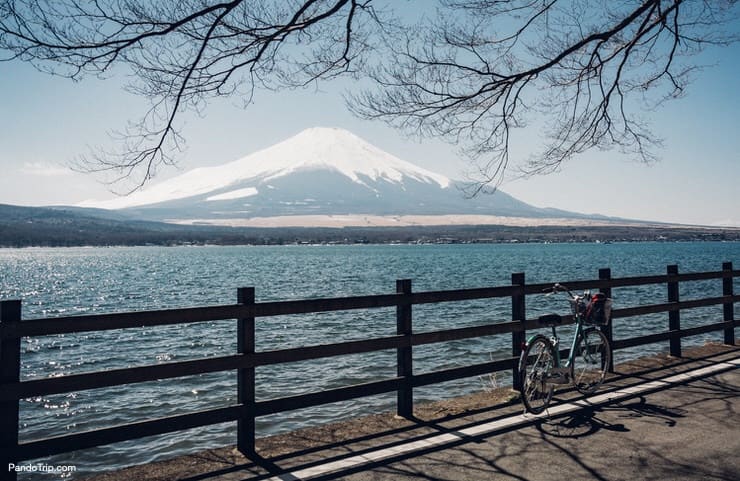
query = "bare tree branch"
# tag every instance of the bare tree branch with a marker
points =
(182, 54)
(579, 73)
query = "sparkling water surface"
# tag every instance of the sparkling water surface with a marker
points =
(71, 281)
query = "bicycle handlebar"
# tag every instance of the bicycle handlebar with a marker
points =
(557, 287)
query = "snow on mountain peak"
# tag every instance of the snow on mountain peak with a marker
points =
(341, 150)
(312, 149)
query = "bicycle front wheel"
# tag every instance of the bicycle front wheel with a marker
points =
(535, 365)
(591, 361)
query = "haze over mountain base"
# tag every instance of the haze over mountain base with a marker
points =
(360, 220)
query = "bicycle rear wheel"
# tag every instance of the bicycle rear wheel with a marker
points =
(591, 360)
(534, 367)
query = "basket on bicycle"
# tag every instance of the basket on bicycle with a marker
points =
(598, 311)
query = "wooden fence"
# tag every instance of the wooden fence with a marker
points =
(246, 359)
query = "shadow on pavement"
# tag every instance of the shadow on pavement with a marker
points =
(567, 435)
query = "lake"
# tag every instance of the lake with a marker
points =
(70, 281)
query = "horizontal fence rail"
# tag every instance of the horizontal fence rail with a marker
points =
(246, 359)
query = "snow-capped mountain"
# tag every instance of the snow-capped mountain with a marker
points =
(327, 149)
(320, 171)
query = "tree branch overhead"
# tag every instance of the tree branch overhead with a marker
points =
(581, 72)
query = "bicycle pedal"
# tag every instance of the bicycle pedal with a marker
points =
(559, 376)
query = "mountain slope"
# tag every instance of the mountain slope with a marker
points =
(320, 171)
(62, 226)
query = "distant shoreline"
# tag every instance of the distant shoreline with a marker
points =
(199, 235)
(61, 227)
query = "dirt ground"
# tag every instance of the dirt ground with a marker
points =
(335, 434)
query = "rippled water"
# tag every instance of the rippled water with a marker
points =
(59, 282)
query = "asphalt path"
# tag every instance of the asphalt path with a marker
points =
(675, 420)
(681, 426)
(689, 431)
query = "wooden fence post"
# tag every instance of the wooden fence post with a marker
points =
(10, 371)
(606, 275)
(518, 313)
(404, 357)
(674, 316)
(729, 308)
(245, 377)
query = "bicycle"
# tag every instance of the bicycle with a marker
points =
(540, 367)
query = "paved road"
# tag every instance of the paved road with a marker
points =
(679, 422)
(689, 431)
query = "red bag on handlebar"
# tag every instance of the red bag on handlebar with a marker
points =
(598, 310)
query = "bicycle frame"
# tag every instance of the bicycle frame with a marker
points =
(579, 321)
(572, 351)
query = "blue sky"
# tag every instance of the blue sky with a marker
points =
(47, 121)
